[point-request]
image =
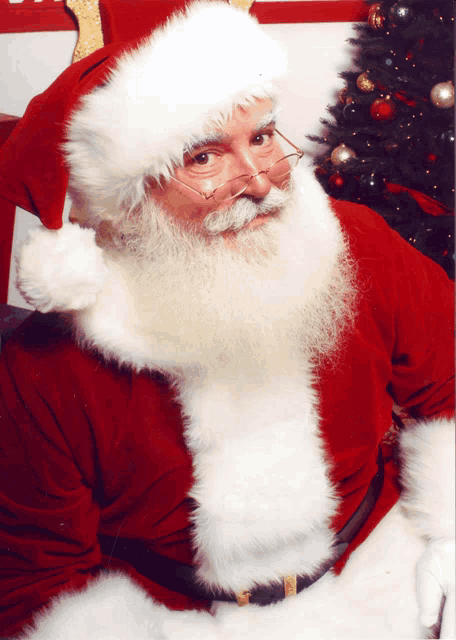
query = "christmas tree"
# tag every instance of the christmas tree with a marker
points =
(390, 144)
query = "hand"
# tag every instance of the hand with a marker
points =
(436, 581)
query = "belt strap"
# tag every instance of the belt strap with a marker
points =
(181, 578)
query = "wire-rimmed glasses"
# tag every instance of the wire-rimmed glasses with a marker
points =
(236, 186)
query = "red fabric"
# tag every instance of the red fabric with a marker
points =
(32, 169)
(7, 214)
(314, 11)
(30, 16)
(122, 21)
(129, 18)
(429, 205)
(87, 448)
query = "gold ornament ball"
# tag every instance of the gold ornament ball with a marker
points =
(341, 154)
(343, 95)
(376, 18)
(364, 83)
(442, 95)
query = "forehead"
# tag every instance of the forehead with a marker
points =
(254, 115)
(242, 121)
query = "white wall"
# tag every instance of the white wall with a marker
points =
(317, 53)
(29, 63)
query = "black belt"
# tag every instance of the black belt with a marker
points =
(180, 577)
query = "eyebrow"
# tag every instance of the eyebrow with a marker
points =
(267, 120)
(218, 136)
(209, 138)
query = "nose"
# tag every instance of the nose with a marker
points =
(258, 186)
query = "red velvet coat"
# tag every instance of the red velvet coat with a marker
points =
(89, 448)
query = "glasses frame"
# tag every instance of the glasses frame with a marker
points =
(250, 177)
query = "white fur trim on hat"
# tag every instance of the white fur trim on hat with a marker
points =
(61, 270)
(163, 96)
(428, 475)
(113, 607)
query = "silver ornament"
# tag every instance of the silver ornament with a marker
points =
(442, 95)
(341, 154)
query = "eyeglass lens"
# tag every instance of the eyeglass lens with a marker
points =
(235, 187)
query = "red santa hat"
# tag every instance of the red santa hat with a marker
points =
(121, 115)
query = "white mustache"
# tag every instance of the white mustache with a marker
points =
(244, 210)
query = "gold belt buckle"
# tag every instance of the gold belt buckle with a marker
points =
(243, 598)
(289, 585)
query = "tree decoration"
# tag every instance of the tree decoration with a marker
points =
(387, 60)
(401, 15)
(431, 158)
(354, 112)
(376, 17)
(336, 183)
(364, 83)
(442, 95)
(391, 147)
(344, 96)
(372, 185)
(383, 109)
(341, 154)
(445, 142)
(399, 133)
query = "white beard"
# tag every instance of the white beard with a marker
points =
(283, 291)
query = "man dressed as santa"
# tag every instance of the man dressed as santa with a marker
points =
(194, 425)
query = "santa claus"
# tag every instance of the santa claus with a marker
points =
(198, 422)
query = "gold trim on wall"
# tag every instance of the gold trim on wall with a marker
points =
(242, 4)
(90, 37)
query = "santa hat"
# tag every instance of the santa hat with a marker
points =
(121, 115)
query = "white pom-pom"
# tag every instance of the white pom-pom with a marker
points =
(61, 270)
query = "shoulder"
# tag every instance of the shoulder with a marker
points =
(40, 339)
(376, 246)
(41, 359)
(365, 229)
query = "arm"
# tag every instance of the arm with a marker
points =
(428, 477)
(424, 385)
(48, 520)
(50, 472)
(414, 305)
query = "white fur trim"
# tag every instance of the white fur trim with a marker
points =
(61, 270)
(114, 608)
(261, 484)
(162, 97)
(428, 454)
(373, 597)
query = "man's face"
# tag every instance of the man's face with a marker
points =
(247, 144)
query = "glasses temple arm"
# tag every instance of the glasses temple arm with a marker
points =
(301, 153)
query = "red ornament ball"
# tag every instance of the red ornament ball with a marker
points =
(336, 181)
(383, 110)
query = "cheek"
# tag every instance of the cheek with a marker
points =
(282, 183)
(183, 204)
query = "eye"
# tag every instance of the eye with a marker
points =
(264, 139)
(202, 159)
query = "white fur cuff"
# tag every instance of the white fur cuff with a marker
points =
(61, 270)
(114, 608)
(428, 456)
